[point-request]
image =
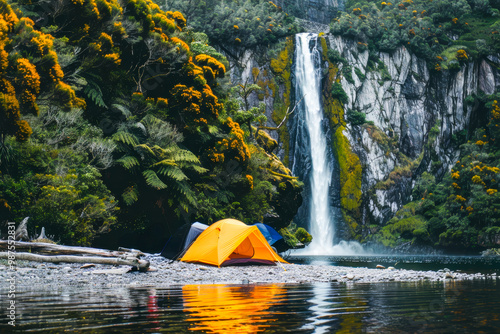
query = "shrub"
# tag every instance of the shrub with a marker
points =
(339, 93)
(355, 117)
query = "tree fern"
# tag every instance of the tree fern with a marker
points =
(162, 162)
(153, 180)
(130, 195)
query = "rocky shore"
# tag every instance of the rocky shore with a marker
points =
(163, 273)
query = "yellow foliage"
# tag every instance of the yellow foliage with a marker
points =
(205, 60)
(477, 179)
(114, 58)
(462, 55)
(106, 40)
(23, 131)
(161, 103)
(491, 191)
(250, 181)
(255, 73)
(67, 96)
(181, 43)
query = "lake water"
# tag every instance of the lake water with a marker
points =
(466, 264)
(424, 307)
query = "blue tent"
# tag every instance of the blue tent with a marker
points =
(269, 233)
(182, 239)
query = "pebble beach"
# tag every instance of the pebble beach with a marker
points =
(164, 273)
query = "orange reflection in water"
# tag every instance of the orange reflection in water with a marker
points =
(227, 309)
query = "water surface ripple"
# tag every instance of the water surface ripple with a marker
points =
(422, 307)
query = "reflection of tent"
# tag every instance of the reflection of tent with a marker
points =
(272, 237)
(230, 241)
(231, 309)
(182, 239)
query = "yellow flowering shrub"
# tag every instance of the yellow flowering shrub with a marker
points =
(477, 179)
(21, 80)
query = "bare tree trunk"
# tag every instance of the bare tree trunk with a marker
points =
(282, 121)
(141, 265)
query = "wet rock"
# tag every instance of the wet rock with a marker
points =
(391, 268)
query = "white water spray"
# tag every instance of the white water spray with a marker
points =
(308, 87)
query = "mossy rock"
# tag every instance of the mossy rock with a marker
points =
(266, 141)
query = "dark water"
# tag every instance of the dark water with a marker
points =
(466, 264)
(451, 307)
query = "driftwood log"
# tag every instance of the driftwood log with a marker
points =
(53, 253)
(53, 249)
(141, 265)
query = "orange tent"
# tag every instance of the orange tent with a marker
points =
(227, 240)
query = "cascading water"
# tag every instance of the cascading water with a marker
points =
(308, 88)
(317, 167)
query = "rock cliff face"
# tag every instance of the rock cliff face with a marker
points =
(416, 116)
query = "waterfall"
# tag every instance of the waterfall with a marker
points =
(308, 88)
(313, 160)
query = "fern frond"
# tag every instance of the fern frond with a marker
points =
(153, 180)
(165, 162)
(125, 138)
(128, 162)
(199, 169)
(213, 130)
(144, 149)
(121, 108)
(150, 120)
(181, 155)
(94, 92)
(188, 194)
(173, 173)
(130, 195)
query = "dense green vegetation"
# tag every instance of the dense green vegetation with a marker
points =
(445, 33)
(115, 117)
(238, 23)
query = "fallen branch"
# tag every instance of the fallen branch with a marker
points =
(53, 249)
(141, 265)
(282, 121)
